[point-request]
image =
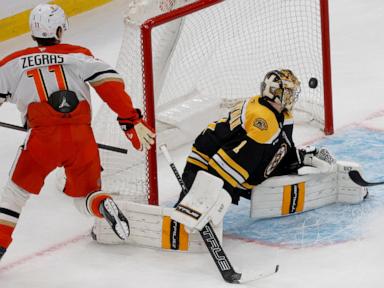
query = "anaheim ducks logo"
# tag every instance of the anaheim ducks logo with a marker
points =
(261, 124)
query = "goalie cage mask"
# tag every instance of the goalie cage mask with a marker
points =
(282, 87)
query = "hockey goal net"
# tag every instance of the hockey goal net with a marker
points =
(185, 62)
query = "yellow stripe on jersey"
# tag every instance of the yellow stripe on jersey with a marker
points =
(247, 185)
(293, 198)
(227, 177)
(202, 155)
(212, 126)
(244, 173)
(259, 122)
(172, 236)
(197, 163)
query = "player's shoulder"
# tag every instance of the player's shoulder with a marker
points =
(55, 49)
(69, 49)
(260, 122)
(17, 54)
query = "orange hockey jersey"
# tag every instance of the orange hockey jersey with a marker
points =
(31, 75)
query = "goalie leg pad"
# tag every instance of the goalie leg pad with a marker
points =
(348, 191)
(292, 194)
(151, 226)
(206, 201)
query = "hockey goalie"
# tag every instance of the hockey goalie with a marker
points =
(252, 154)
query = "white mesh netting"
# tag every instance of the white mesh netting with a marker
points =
(204, 61)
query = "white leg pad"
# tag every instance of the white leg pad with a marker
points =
(151, 226)
(348, 191)
(292, 194)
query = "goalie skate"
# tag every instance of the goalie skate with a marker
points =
(115, 218)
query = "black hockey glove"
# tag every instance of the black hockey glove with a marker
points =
(306, 155)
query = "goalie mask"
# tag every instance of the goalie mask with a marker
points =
(45, 19)
(282, 87)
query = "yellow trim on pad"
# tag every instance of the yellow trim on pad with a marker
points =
(16, 25)
(293, 203)
(182, 236)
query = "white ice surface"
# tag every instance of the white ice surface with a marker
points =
(51, 246)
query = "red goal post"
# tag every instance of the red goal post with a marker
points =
(275, 34)
(146, 29)
(146, 34)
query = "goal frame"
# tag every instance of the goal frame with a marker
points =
(148, 78)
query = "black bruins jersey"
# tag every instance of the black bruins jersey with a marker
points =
(247, 147)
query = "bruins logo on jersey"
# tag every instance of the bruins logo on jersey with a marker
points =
(261, 124)
(276, 160)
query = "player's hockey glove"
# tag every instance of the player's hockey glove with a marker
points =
(319, 158)
(307, 153)
(137, 131)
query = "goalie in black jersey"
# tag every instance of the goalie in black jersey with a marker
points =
(254, 142)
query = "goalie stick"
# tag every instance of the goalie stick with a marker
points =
(101, 146)
(358, 179)
(211, 241)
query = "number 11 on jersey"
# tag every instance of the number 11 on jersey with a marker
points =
(41, 87)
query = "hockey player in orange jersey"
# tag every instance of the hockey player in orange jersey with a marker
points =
(50, 86)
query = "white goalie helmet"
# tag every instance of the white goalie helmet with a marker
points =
(282, 87)
(45, 19)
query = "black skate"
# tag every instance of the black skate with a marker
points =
(115, 218)
(2, 251)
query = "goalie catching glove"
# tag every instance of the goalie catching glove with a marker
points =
(137, 131)
(321, 159)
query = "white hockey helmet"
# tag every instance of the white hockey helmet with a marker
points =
(282, 87)
(45, 19)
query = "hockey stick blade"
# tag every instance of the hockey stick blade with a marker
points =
(358, 179)
(251, 277)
